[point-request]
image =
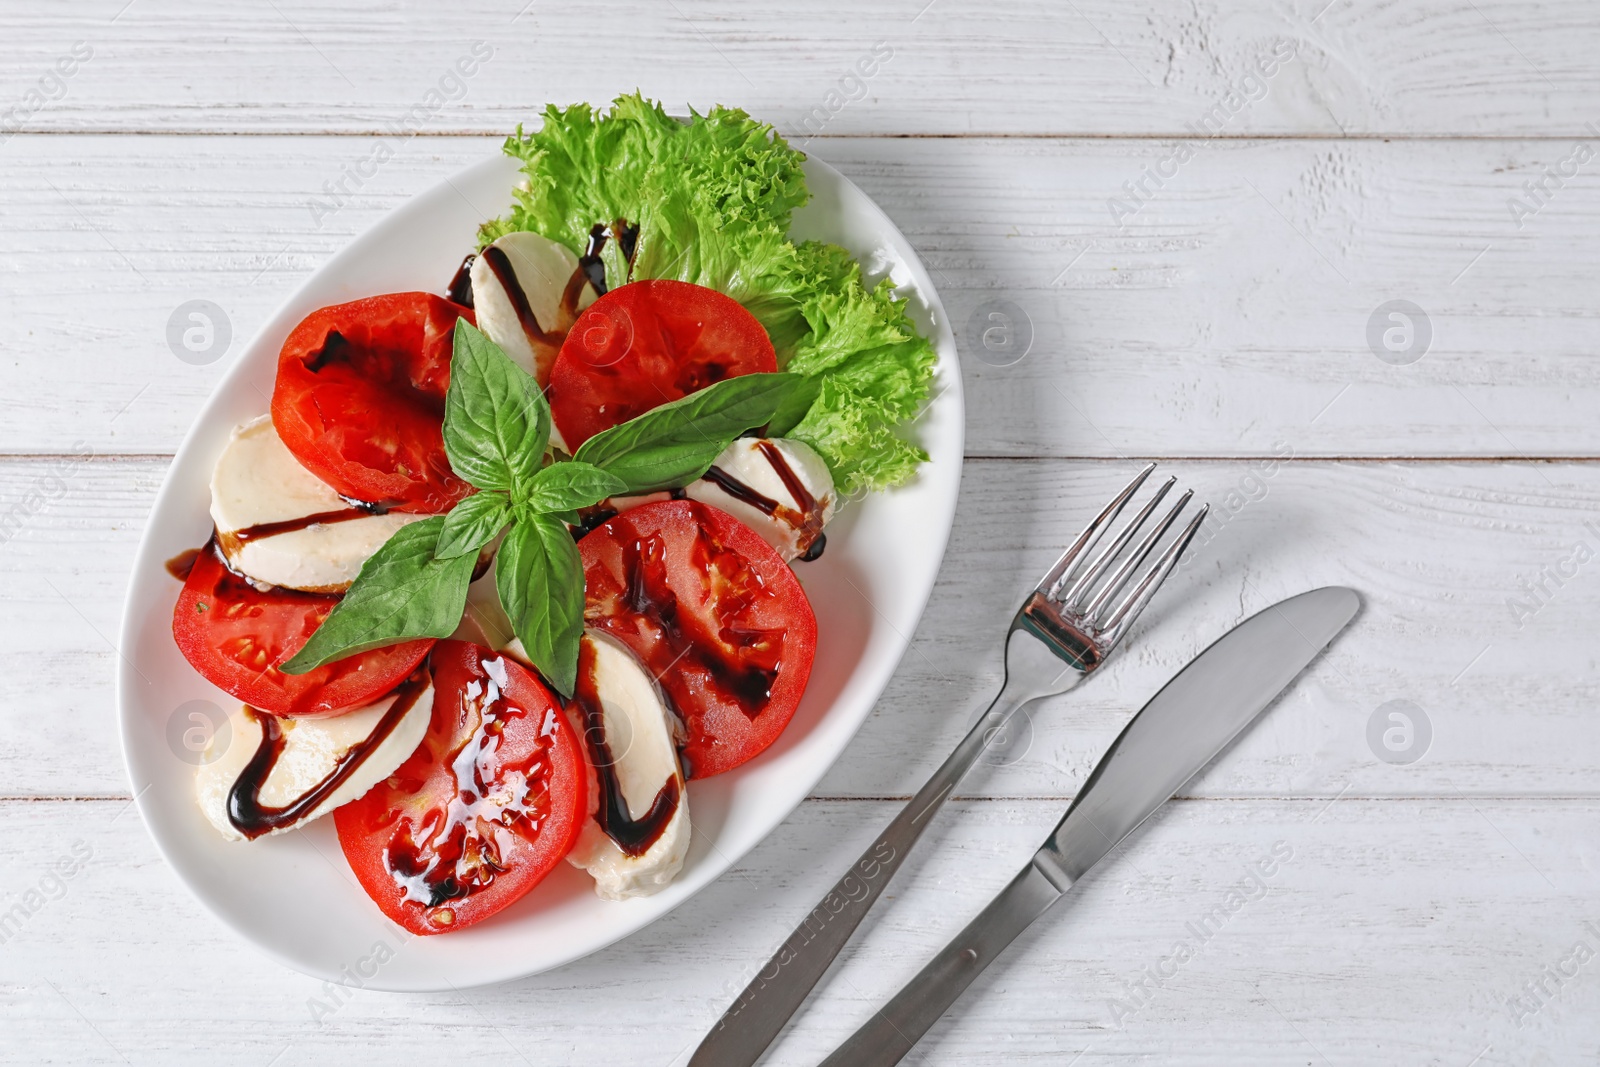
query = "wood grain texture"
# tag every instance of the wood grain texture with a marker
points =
(1097, 67)
(1385, 932)
(1509, 705)
(1230, 316)
(1188, 296)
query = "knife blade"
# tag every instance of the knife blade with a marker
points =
(1183, 727)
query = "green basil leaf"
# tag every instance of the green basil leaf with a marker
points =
(496, 420)
(540, 578)
(565, 487)
(403, 592)
(472, 524)
(672, 445)
(792, 410)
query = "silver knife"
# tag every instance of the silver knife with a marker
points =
(1194, 717)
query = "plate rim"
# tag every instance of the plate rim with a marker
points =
(950, 398)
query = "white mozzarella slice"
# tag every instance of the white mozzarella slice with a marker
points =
(541, 268)
(484, 622)
(257, 481)
(628, 503)
(557, 441)
(312, 749)
(794, 526)
(639, 738)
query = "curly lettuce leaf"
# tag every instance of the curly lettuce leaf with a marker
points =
(713, 198)
(856, 433)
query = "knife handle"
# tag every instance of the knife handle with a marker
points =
(897, 1026)
(777, 991)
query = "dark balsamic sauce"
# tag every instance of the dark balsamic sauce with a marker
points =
(460, 289)
(231, 541)
(590, 273)
(506, 275)
(791, 481)
(272, 529)
(231, 586)
(180, 565)
(678, 653)
(457, 853)
(590, 263)
(814, 550)
(633, 836)
(252, 818)
(627, 234)
(371, 507)
(335, 349)
(811, 513)
(592, 519)
(805, 518)
(741, 492)
(593, 268)
(572, 294)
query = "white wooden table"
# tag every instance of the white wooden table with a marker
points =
(1219, 314)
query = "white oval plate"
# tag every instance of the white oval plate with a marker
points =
(293, 895)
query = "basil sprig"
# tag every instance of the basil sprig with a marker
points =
(404, 591)
(672, 445)
(794, 406)
(472, 524)
(540, 581)
(496, 421)
(496, 436)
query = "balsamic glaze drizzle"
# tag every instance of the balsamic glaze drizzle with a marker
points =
(180, 565)
(806, 517)
(283, 526)
(592, 519)
(335, 349)
(252, 818)
(633, 836)
(740, 491)
(460, 289)
(591, 271)
(814, 550)
(590, 263)
(506, 275)
(593, 268)
(791, 481)
(647, 591)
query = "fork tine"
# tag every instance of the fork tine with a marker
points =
(1130, 608)
(1108, 556)
(1058, 574)
(1136, 559)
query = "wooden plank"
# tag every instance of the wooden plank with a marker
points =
(948, 67)
(1377, 932)
(70, 530)
(1230, 316)
(1439, 551)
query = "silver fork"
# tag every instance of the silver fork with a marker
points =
(1062, 633)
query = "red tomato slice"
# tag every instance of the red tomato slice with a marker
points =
(645, 343)
(236, 635)
(490, 801)
(360, 399)
(714, 613)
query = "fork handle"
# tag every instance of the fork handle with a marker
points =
(777, 991)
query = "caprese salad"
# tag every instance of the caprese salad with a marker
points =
(504, 570)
